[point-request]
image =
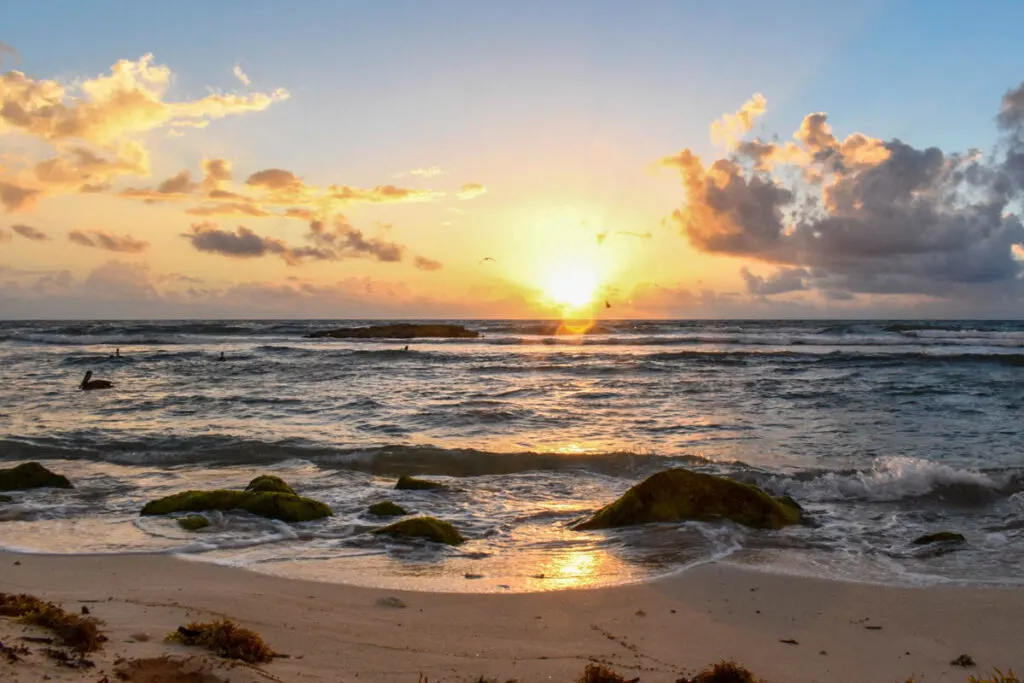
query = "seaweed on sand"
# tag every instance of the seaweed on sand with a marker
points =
(226, 639)
(725, 671)
(76, 631)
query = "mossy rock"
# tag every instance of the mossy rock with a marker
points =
(270, 484)
(387, 509)
(31, 475)
(407, 483)
(6, 499)
(940, 537)
(424, 527)
(677, 495)
(193, 522)
(283, 506)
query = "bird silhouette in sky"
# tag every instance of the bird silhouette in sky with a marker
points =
(606, 304)
(487, 258)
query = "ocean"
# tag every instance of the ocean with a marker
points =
(883, 431)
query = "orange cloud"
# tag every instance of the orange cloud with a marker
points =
(728, 130)
(104, 240)
(379, 194)
(128, 100)
(471, 190)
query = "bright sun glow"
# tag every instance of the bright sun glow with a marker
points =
(571, 284)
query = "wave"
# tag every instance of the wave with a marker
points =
(389, 460)
(900, 478)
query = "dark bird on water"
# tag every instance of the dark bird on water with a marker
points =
(222, 356)
(89, 383)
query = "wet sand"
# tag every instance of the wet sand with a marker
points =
(654, 631)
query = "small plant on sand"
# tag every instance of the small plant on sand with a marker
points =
(226, 639)
(599, 673)
(996, 677)
(722, 672)
(963, 660)
(76, 631)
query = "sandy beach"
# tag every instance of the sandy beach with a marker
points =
(654, 631)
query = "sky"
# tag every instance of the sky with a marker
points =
(511, 160)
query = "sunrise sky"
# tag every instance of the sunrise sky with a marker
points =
(511, 160)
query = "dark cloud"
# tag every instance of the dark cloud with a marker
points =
(275, 179)
(861, 215)
(16, 198)
(335, 242)
(176, 188)
(782, 281)
(424, 263)
(30, 233)
(344, 240)
(242, 243)
(105, 240)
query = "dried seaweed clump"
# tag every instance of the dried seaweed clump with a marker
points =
(226, 639)
(76, 631)
(723, 672)
(599, 673)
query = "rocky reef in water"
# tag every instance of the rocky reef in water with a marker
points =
(398, 331)
(678, 495)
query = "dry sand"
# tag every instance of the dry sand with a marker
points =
(654, 631)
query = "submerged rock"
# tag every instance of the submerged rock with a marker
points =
(405, 482)
(398, 331)
(286, 507)
(6, 499)
(940, 537)
(193, 522)
(387, 509)
(679, 494)
(31, 475)
(424, 527)
(269, 483)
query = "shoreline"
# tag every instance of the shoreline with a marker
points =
(654, 629)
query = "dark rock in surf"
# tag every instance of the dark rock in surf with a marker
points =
(31, 475)
(407, 483)
(387, 509)
(271, 498)
(940, 537)
(269, 483)
(193, 522)
(677, 495)
(398, 331)
(6, 499)
(424, 527)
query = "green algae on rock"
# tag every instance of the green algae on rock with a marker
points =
(424, 527)
(387, 509)
(193, 522)
(678, 494)
(31, 475)
(405, 482)
(940, 537)
(283, 506)
(270, 483)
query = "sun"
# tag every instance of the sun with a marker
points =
(571, 284)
